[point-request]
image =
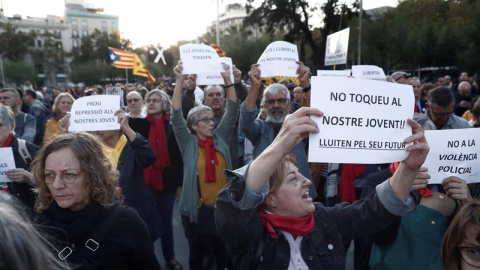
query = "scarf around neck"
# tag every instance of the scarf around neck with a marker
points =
(297, 226)
(157, 139)
(425, 192)
(113, 154)
(210, 159)
(8, 141)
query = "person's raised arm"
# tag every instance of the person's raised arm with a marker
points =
(240, 89)
(304, 78)
(295, 128)
(177, 92)
(402, 180)
(124, 126)
(255, 81)
(229, 90)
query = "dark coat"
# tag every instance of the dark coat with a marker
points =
(135, 156)
(23, 191)
(173, 175)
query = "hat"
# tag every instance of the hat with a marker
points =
(399, 74)
(291, 86)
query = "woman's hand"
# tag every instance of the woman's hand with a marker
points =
(421, 179)
(456, 188)
(226, 74)
(418, 150)
(178, 71)
(19, 175)
(64, 123)
(124, 126)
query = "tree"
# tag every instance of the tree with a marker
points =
(19, 72)
(50, 57)
(14, 45)
(89, 73)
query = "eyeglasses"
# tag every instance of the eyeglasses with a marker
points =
(154, 100)
(134, 100)
(406, 75)
(207, 120)
(68, 177)
(470, 255)
(280, 101)
(441, 114)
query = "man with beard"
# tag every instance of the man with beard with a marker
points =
(277, 102)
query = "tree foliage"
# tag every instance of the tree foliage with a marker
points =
(14, 45)
(17, 72)
(90, 73)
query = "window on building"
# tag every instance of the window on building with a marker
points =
(85, 33)
(114, 25)
(39, 43)
(57, 34)
(104, 26)
(59, 45)
(74, 23)
(75, 43)
(75, 33)
(84, 23)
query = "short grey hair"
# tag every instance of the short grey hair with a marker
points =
(7, 115)
(216, 86)
(167, 104)
(274, 89)
(194, 115)
(11, 90)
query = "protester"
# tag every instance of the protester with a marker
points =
(277, 102)
(461, 244)
(62, 104)
(464, 98)
(401, 77)
(23, 154)
(75, 188)
(25, 124)
(37, 110)
(165, 175)
(424, 94)
(22, 246)
(297, 233)
(207, 152)
(135, 105)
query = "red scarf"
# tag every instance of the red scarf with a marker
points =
(425, 192)
(210, 159)
(297, 226)
(158, 143)
(347, 181)
(8, 141)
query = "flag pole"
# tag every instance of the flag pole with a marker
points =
(126, 75)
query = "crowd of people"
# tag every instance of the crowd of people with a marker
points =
(233, 157)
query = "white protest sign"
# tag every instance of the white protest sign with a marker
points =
(368, 72)
(93, 113)
(453, 152)
(200, 58)
(337, 48)
(215, 78)
(333, 73)
(364, 121)
(278, 59)
(7, 163)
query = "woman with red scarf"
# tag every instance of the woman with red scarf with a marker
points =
(268, 220)
(206, 154)
(165, 175)
(21, 179)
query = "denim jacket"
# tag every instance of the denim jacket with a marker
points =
(241, 228)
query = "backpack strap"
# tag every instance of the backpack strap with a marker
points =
(22, 149)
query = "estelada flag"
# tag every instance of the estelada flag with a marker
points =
(119, 58)
(141, 70)
(219, 51)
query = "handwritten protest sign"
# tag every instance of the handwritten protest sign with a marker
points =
(334, 73)
(453, 153)
(364, 121)
(7, 163)
(278, 59)
(368, 72)
(215, 78)
(337, 48)
(199, 58)
(94, 113)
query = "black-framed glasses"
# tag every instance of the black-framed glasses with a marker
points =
(441, 114)
(68, 177)
(406, 75)
(470, 255)
(133, 100)
(280, 101)
(207, 120)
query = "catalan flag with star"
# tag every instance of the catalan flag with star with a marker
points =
(120, 59)
(219, 51)
(141, 70)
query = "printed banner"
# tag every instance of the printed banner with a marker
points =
(337, 48)
(215, 78)
(94, 113)
(334, 73)
(200, 58)
(368, 72)
(364, 121)
(7, 163)
(453, 152)
(279, 59)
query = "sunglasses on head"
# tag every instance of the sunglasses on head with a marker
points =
(406, 75)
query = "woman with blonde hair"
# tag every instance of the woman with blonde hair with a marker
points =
(62, 104)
